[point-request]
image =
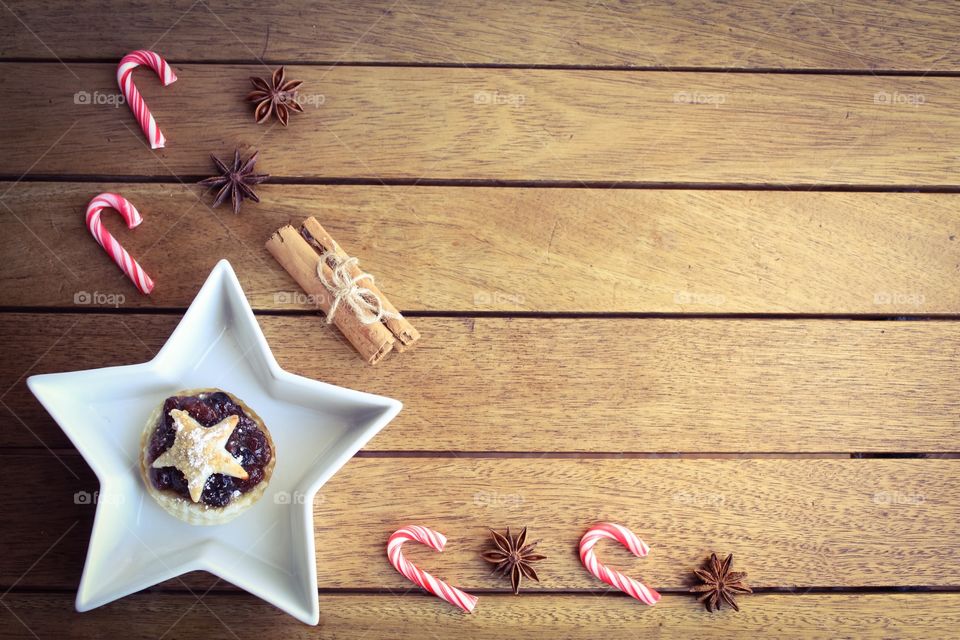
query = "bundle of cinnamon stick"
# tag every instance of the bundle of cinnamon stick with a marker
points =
(325, 272)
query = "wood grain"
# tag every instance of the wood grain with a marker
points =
(820, 34)
(790, 523)
(811, 617)
(614, 385)
(507, 249)
(498, 124)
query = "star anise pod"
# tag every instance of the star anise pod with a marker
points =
(513, 556)
(278, 96)
(719, 583)
(235, 181)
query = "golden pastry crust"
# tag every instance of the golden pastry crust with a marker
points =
(197, 512)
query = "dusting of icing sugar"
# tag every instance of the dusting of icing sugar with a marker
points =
(199, 452)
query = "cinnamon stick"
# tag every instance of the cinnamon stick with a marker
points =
(400, 327)
(373, 341)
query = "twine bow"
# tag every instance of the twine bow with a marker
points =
(346, 288)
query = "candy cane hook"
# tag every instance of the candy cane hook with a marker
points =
(436, 541)
(614, 578)
(130, 62)
(133, 218)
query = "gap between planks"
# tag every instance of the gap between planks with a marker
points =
(376, 181)
(227, 589)
(524, 315)
(16, 450)
(906, 73)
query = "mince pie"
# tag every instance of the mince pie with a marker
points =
(206, 456)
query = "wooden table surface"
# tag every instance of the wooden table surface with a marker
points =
(687, 266)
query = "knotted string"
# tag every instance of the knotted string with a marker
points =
(344, 287)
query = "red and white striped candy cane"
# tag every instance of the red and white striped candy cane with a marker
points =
(130, 62)
(436, 541)
(133, 218)
(614, 578)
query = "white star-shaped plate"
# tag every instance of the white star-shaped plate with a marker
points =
(269, 549)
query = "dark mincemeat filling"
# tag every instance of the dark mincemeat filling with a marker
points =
(247, 443)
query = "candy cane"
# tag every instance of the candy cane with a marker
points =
(130, 62)
(436, 541)
(614, 578)
(133, 218)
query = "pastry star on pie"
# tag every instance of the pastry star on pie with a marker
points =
(206, 456)
(199, 452)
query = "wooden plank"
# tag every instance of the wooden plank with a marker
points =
(508, 249)
(489, 384)
(821, 34)
(790, 523)
(811, 617)
(499, 124)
